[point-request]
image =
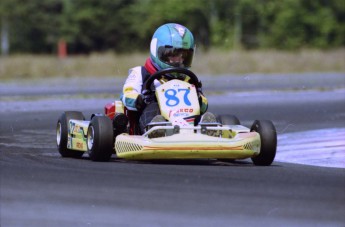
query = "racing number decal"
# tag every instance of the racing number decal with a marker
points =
(79, 145)
(173, 100)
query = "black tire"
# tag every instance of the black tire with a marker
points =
(62, 133)
(268, 136)
(100, 139)
(228, 120)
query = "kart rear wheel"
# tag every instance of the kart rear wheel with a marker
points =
(268, 136)
(62, 133)
(100, 139)
(228, 120)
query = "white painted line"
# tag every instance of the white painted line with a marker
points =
(325, 147)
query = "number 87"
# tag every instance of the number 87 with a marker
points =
(173, 100)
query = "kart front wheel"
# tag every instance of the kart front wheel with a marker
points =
(100, 139)
(268, 136)
(62, 133)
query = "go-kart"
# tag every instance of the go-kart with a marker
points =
(182, 134)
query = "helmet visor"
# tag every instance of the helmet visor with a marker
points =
(176, 57)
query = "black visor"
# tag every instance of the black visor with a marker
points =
(176, 57)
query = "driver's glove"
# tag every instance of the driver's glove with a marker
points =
(148, 96)
(200, 94)
(143, 99)
(139, 102)
(199, 91)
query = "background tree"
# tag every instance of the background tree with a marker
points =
(35, 26)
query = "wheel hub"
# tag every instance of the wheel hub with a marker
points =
(58, 134)
(90, 138)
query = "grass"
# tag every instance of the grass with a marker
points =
(212, 62)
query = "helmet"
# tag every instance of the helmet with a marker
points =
(172, 45)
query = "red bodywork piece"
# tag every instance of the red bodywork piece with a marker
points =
(109, 110)
(133, 117)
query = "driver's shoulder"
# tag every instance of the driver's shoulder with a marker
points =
(139, 73)
(135, 70)
(144, 73)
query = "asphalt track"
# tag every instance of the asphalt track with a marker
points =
(39, 188)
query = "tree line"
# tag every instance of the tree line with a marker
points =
(36, 26)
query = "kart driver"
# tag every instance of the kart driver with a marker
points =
(172, 45)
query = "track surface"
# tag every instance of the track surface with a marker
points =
(39, 188)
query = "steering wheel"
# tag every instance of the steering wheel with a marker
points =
(158, 75)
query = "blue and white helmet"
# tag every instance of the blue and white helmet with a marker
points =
(172, 41)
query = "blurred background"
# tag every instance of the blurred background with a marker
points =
(42, 38)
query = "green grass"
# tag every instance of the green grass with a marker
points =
(212, 62)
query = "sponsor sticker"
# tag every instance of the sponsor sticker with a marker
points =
(180, 29)
(79, 145)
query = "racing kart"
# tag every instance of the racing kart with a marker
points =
(184, 136)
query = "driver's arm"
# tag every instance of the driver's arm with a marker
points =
(203, 103)
(132, 88)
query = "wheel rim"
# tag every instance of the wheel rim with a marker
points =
(90, 137)
(58, 134)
